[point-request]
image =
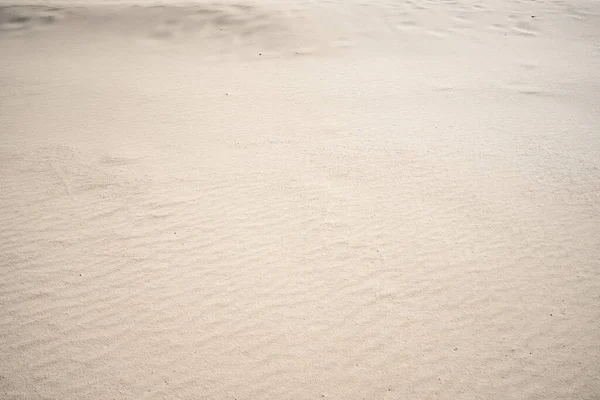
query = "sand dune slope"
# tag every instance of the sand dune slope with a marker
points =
(300, 200)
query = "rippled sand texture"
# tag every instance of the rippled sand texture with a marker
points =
(300, 200)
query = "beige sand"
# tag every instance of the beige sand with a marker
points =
(300, 199)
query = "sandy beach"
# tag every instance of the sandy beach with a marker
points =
(300, 199)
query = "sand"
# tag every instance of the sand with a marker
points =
(298, 199)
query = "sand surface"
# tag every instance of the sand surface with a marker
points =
(298, 199)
